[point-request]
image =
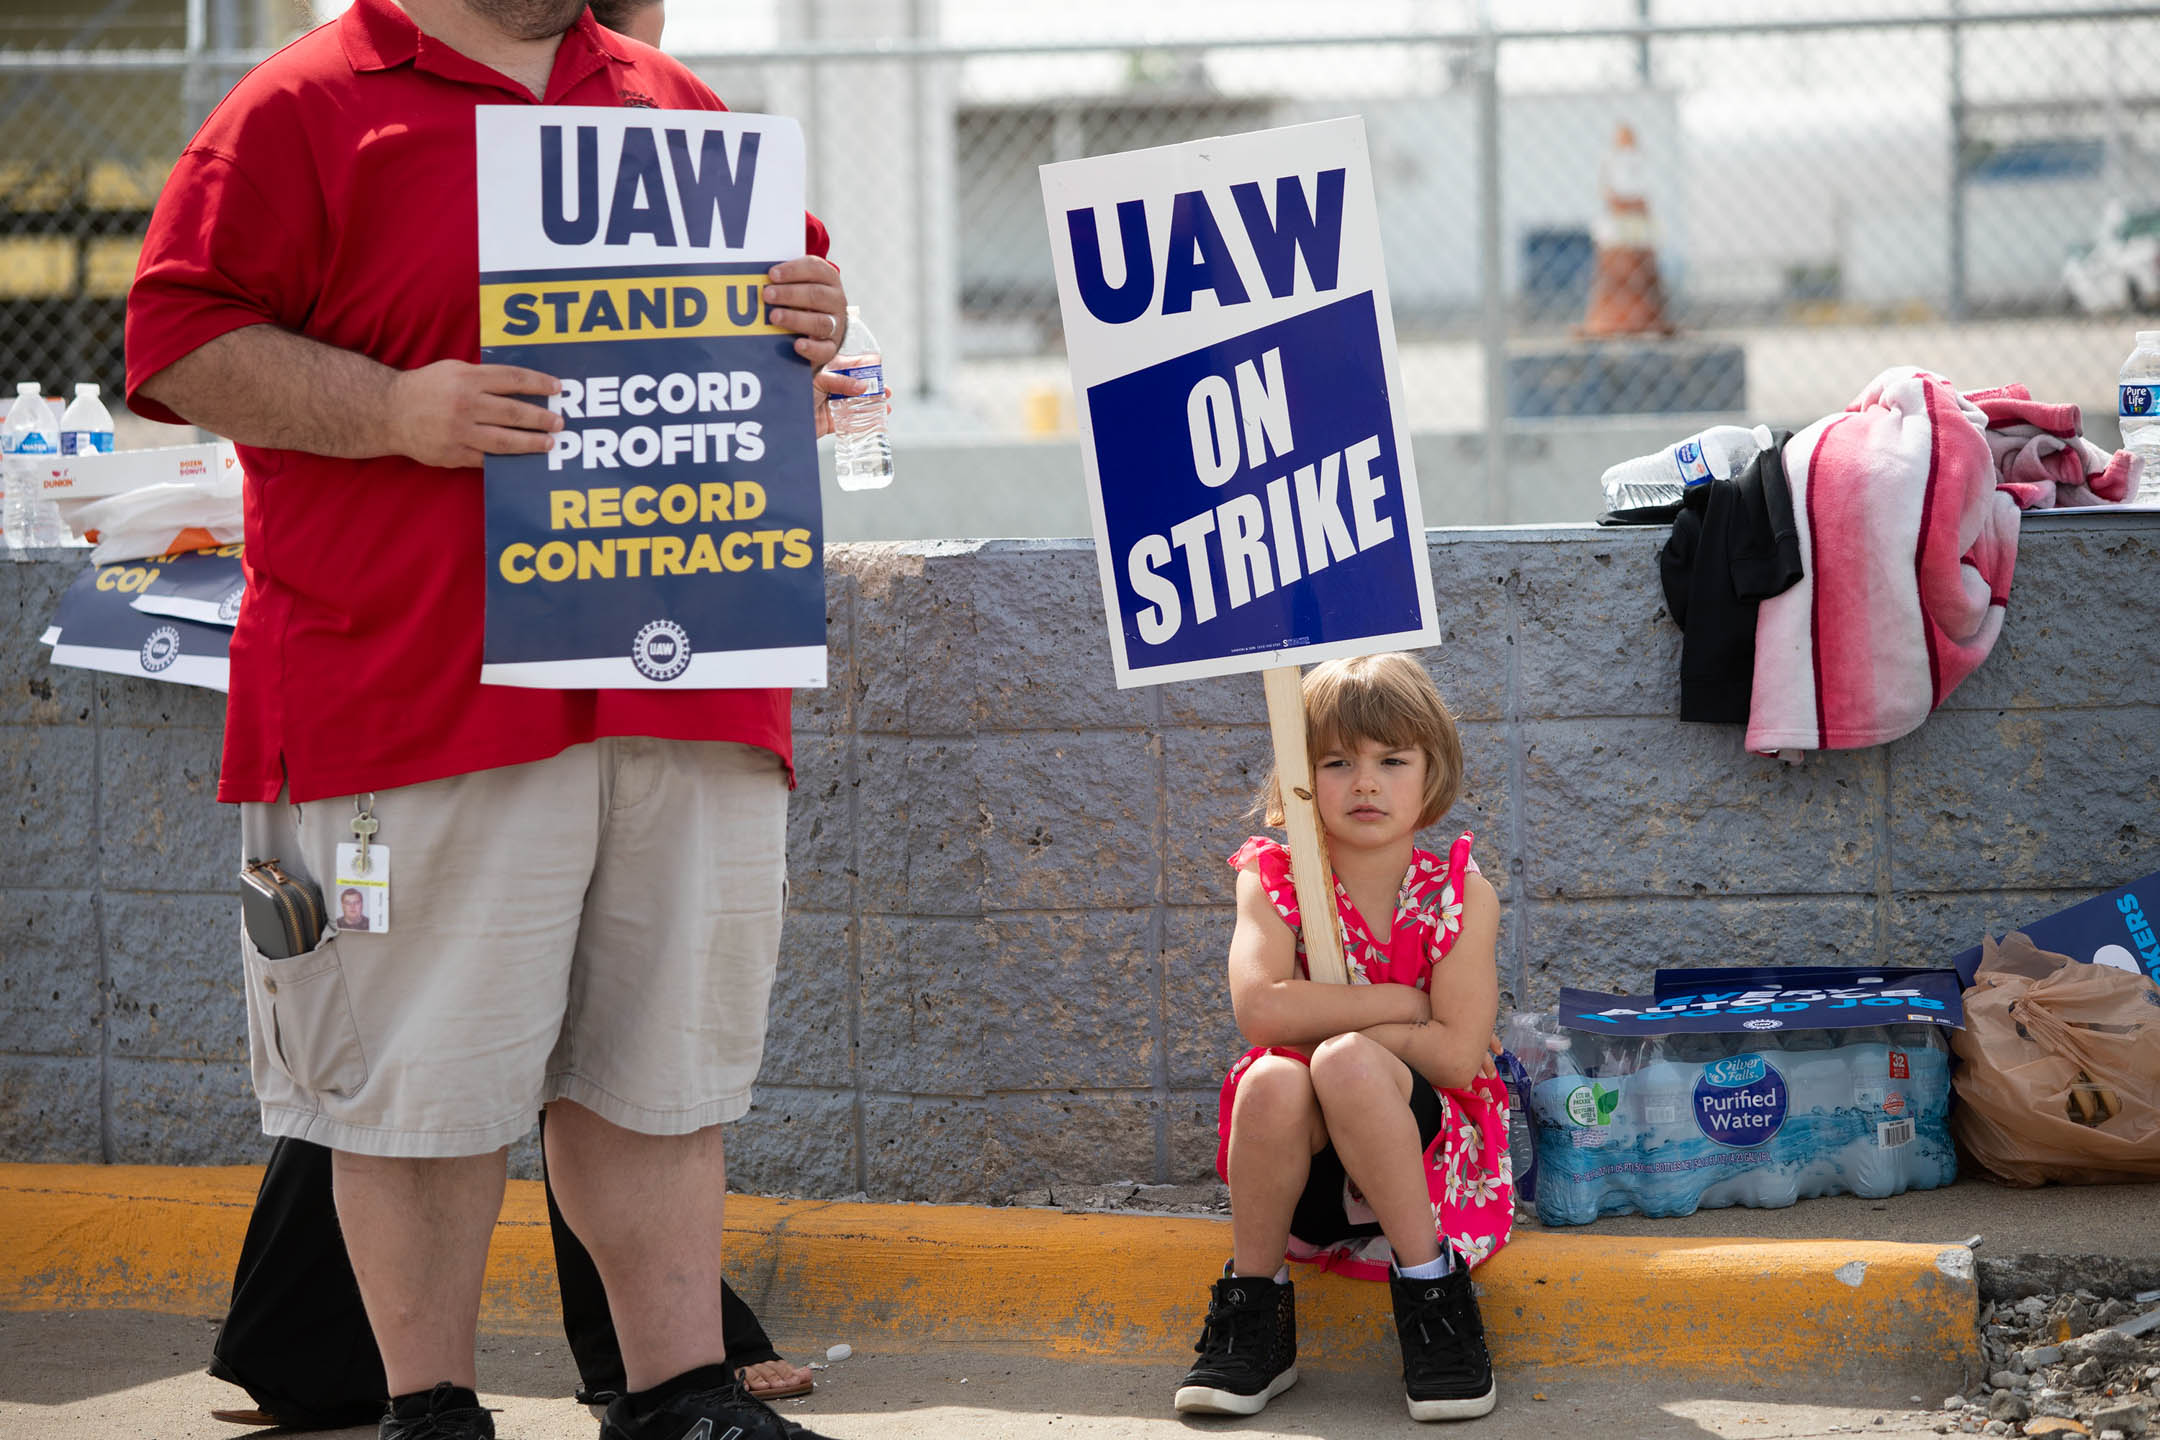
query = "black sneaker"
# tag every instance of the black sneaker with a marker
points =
(1447, 1374)
(1248, 1348)
(448, 1412)
(726, 1411)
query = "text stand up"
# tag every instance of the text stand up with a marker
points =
(1309, 867)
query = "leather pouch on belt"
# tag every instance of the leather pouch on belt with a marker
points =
(283, 913)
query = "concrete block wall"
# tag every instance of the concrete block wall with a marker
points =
(1003, 960)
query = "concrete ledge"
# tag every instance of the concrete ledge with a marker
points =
(1094, 1287)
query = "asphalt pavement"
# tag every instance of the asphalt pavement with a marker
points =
(95, 1375)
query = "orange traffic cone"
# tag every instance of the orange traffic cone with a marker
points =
(1625, 296)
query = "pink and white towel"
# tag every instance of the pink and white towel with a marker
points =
(1908, 546)
(2042, 457)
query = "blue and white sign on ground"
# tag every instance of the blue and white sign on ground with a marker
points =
(1233, 354)
(672, 538)
(96, 627)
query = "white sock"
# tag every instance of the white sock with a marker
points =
(1432, 1269)
(1282, 1272)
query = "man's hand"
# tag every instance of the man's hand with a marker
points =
(455, 414)
(825, 385)
(805, 296)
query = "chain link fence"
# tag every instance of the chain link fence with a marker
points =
(1812, 193)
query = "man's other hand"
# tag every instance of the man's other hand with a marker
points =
(455, 414)
(805, 296)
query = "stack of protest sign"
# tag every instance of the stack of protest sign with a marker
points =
(168, 618)
(671, 537)
(1248, 465)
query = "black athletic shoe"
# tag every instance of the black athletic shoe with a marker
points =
(1447, 1374)
(726, 1410)
(448, 1412)
(1248, 1348)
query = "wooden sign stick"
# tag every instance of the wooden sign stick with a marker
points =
(1309, 867)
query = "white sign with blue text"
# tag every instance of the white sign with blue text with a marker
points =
(1233, 355)
(671, 538)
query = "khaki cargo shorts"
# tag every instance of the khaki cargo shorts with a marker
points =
(598, 927)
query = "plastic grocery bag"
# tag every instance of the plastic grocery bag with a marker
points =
(160, 520)
(2061, 1079)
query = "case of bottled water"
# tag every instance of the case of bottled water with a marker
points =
(1743, 1087)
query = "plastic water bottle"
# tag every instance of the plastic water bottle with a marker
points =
(28, 442)
(1661, 478)
(1663, 1098)
(1522, 1131)
(86, 428)
(2137, 410)
(862, 456)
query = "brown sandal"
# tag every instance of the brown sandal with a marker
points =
(262, 1419)
(792, 1392)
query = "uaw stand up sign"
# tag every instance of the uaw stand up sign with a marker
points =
(1227, 324)
(671, 538)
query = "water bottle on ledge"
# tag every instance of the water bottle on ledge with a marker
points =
(1662, 477)
(87, 427)
(2137, 411)
(862, 455)
(30, 440)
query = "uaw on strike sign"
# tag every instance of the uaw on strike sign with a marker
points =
(671, 538)
(1227, 323)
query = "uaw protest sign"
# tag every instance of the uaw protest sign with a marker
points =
(1227, 323)
(671, 538)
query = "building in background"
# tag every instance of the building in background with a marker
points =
(1833, 192)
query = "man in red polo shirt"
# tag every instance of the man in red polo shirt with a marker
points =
(587, 883)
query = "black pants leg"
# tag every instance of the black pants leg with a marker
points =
(297, 1338)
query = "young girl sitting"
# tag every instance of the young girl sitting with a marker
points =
(1365, 1132)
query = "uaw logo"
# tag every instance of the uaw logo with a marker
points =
(160, 649)
(661, 650)
(228, 609)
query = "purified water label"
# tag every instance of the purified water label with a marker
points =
(1740, 1101)
(1694, 465)
(2134, 400)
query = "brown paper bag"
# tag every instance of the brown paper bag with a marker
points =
(2061, 1079)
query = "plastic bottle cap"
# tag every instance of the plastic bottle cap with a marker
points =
(2148, 337)
(86, 390)
(26, 387)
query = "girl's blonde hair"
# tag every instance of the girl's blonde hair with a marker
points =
(1388, 699)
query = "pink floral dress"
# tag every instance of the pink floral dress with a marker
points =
(1468, 1170)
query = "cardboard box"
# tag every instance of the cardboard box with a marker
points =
(89, 476)
(2113, 929)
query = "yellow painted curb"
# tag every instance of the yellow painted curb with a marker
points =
(1122, 1287)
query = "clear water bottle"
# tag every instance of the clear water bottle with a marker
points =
(28, 443)
(86, 428)
(2137, 410)
(862, 455)
(1661, 478)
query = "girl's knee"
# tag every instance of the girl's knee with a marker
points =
(1276, 1092)
(1353, 1063)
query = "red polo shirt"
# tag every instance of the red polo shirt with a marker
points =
(332, 194)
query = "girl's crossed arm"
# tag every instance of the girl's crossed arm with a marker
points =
(1277, 1006)
(1453, 1047)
